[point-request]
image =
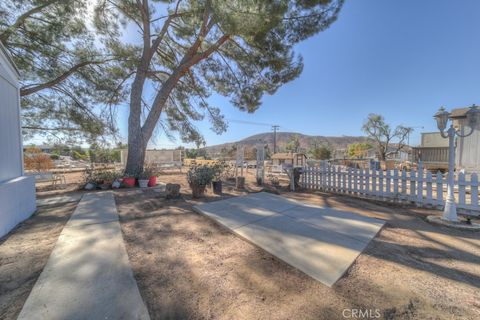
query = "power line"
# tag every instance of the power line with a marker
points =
(250, 122)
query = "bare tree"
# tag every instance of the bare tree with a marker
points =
(387, 141)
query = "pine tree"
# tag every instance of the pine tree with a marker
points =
(67, 78)
(188, 49)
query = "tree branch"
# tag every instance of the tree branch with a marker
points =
(21, 19)
(27, 90)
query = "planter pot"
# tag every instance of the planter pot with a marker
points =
(105, 186)
(240, 183)
(116, 184)
(129, 182)
(197, 191)
(217, 187)
(152, 182)
(143, 183)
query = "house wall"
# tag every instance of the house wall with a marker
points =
(433, 140)
(467, 154)
(17, 192)
(10, 140)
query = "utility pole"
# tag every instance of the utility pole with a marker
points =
(275, 128)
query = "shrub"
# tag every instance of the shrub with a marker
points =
(34, 159)
(146, 174)
(200, 175)
(100, 177)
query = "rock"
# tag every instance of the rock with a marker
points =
(172, 191)
(90, 186)
(116, 184)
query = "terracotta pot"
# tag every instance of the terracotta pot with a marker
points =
(129, 182)
(197, 191)
(152, 182)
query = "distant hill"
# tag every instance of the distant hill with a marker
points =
(283, 138)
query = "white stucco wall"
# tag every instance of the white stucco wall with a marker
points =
(467, 154)
(17, 192)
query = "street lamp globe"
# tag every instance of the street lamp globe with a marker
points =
(442, 118)
(473, 116)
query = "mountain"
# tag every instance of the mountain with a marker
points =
(283, 138)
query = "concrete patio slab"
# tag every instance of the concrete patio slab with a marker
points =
(351, 225)
(321, 242)
(88, 275)
(234, 215)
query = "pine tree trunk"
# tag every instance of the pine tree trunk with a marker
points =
(137, 143)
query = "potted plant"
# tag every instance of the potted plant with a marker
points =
(218, 170)
(129, 180)
(198, 178)
(144, 178)
(152, 180)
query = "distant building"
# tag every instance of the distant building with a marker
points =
(433, 151)
(467, 155)
(295, 159)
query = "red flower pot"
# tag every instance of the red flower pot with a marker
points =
(152, 182)
(129, 182)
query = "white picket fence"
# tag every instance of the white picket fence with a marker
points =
(420, 187)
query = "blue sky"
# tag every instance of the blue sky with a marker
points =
(402, 59)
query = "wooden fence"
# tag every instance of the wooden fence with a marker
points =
(420, 187)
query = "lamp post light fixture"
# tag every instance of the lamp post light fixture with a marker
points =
(442, 117)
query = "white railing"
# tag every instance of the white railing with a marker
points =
(420, 187)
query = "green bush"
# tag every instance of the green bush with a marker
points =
(200, 175)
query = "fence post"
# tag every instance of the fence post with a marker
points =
(388, 184)
(317, 177)
(474, 191)
(349, 173)
(360, 180)
(404, 185)
(461, 190)
(412, 185)
(355, 181)
(344, 182)
(439, 189)
(367, 181)
(395, 183)
(420, 183)
(380, 184)
(324, 176)
(429, 188)
(334, 178)
(329, 178)
(309, 179)
(374, 182)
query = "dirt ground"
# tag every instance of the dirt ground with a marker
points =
(188, 267)
(24, 253)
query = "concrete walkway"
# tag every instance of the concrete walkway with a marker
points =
(88, 275)
(57, 199)
(321, 242)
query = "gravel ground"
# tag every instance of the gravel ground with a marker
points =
(24, 253)
(188, 267)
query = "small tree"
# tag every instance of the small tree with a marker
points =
(386, 140)
(320, 152)
(358, 150)
(35, 160)
(294, 144)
